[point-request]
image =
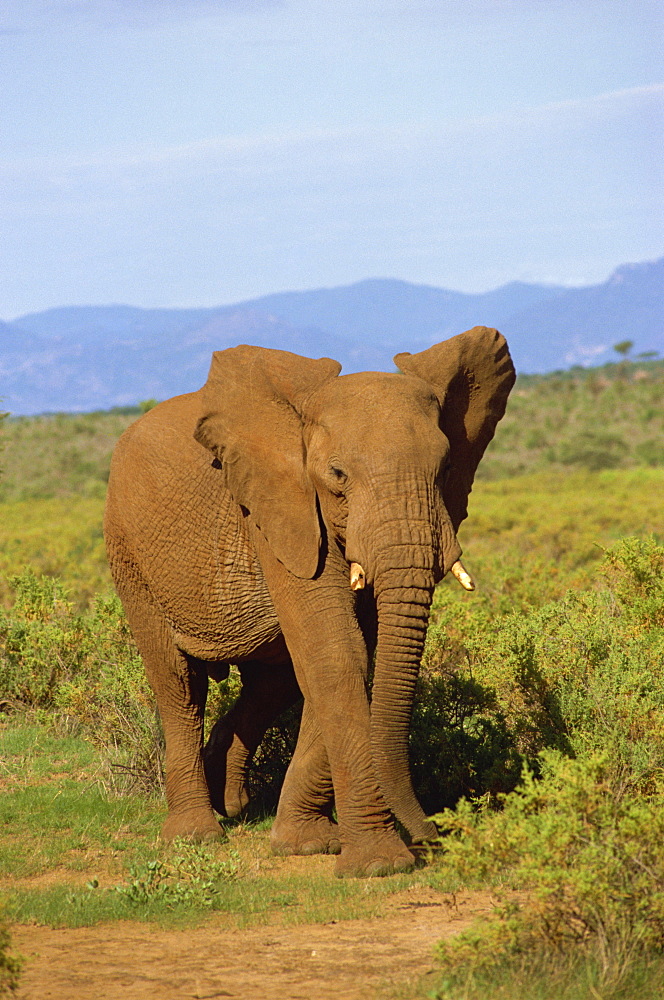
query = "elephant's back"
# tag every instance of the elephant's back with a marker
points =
(159, 473)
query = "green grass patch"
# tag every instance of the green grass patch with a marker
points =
(55, 812)
(244, 901)
(59, 537)
(71, 854)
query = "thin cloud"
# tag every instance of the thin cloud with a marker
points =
(350, 145)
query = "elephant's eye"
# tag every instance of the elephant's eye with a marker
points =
(338, 474)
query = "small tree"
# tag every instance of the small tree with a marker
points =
(623, 347)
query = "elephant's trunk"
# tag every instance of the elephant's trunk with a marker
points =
(402, 622)
(404, 582)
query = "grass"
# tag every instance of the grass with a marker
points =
(55, 813)
(60, 455)
(71, 854)
(599, 418)
(58, 537)
(579, 981)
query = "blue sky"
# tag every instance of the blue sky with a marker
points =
(198, 152)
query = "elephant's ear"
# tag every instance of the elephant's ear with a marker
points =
(472, 375)
(250, 419)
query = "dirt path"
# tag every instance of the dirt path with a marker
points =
(343, 960)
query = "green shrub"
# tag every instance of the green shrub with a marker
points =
(147, 404)
(267, 769)
(650, 452)
(81, 671)
(460, 743)
(580, 675)
(586, 858)
(577, 850)
(42, 643)
(593, 450)
(10, 964)
(191, 876)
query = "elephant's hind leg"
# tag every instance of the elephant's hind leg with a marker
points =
(268, 689)
(304, 823)
(181, 690)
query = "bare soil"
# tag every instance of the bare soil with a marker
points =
(340, 960)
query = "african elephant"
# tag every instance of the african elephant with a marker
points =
(295, 521)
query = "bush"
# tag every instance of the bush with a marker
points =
(10, 965)
(81, 671)
(577, 850)
(588, 856)
(593, 450)
(460, 742)
(580, 675)
(267, 769)
(191, 876)
(42, 643)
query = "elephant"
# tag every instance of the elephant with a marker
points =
(294, 521)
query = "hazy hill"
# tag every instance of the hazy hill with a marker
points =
(586, 322)
(95, 357)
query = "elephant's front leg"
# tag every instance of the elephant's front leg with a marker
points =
(329, 655)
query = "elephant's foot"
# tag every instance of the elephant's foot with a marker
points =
(192, 824)
(229, 800)
(425, 833)
(236, 799)
(374, 856)
(315, 835)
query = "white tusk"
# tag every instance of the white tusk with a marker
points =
(464, 578)
(357, 577)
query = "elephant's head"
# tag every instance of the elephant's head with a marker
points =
(379, 466)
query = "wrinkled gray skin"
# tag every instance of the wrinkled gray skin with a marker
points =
(233, 514)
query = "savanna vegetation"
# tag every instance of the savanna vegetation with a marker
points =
(537, 738)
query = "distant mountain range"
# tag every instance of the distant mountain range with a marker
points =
(79, 358)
